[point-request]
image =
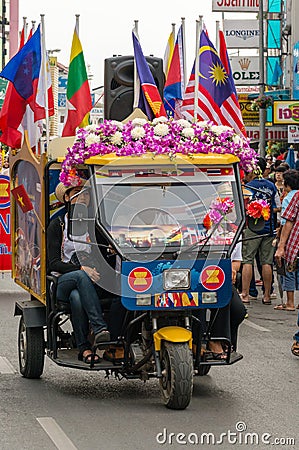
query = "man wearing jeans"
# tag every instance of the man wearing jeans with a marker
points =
(288, 248)
(260, 241)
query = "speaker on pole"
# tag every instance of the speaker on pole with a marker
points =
(119, 84)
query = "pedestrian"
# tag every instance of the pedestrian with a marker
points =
(289, 280)
(260, 241)
(288, 248)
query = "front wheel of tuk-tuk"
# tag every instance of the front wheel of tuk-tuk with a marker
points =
(31, 349)
(177, 374)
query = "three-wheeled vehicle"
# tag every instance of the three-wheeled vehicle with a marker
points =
(168, 262)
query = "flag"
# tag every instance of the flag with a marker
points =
(174, 87)
(225, 60)
(277, 72)
(217, 101)
(168, 52)
(22, 198)
(25, 72)
(78, 91)
(149, 95)
(290, 159)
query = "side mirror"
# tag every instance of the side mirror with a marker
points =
(77, 219)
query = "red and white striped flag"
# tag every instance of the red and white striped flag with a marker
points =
(217, 100)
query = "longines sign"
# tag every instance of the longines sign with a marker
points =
(236, 5)
(241, 33)
(245, 70)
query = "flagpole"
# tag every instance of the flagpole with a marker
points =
(196, 71)
(184, 50)
(263, 111)
(136, 78)
(44, 69)
(25, 27)
(217, 35)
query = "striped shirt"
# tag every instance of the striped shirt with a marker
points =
(292, 214)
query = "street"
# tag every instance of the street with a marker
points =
(70, 409)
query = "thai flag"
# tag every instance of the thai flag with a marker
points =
(150, 100)
(29, 86)
(175, 82)
(217, 101)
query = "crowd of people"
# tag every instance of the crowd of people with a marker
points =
(274, 248)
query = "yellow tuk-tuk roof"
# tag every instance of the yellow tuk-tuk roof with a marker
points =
(150, 159)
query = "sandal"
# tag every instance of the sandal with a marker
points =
(295, 348)
(266, 302)
(91, 358)
(283, 307)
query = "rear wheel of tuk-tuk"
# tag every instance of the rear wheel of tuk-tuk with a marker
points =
(177, 374)
(31, 348)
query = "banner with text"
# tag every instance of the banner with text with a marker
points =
(5, 236)
(237, 5)
(245, 70)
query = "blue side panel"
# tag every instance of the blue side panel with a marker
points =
(145, 279)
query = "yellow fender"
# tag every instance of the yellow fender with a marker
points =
(172, 334)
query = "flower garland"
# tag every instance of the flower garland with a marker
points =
(217, 211)
(161, 136)
(257, 209)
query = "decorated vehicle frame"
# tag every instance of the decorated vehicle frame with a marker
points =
(167, 204)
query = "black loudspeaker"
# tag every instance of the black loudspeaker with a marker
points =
(119, 84)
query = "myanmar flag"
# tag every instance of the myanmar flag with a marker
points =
(78, 91)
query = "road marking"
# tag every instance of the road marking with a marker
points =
(55, 433)
(5, 366)
(254, 325)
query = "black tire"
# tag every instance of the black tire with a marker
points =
(177, 375)
(204, 370)
(31, 349)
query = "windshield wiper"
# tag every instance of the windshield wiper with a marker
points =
(203, 241)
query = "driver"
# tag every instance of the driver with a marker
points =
(76, 283)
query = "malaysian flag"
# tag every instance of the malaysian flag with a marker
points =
(217, 100)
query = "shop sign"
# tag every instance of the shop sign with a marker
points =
(286, 112)
(241, 33)
(235, 5)
(271, 133)
(293, 134)
(245, 70)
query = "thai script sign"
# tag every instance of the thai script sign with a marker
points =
(293, 134)
(271, 133)
(235, 5)
(286, 112)
(241, 33)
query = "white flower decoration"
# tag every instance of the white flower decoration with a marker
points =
(203, 124)
(118, 124)
(116, 138)
(188, 132)
(183, 123)
(92, 138)
(139, 121)
(91, 128)
(218, 129)
(161, 129)
(237, 140)
(159, 120)
(138, 133)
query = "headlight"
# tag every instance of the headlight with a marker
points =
(176, 279)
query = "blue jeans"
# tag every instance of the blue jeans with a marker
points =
(77, 288)
(296, 335)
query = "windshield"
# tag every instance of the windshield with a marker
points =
(148, 211)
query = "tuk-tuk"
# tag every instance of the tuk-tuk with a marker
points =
(171, 222)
